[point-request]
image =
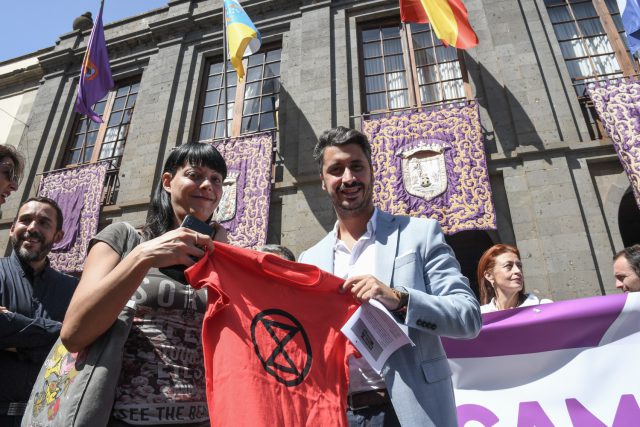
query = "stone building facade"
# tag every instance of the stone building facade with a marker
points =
(560, 192)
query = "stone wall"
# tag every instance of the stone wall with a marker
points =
(555, 190)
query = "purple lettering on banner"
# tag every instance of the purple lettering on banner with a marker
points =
(531, 414)
(471, 412)
(581, 416)
(628, 412)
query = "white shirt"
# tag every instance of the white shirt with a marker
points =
(355, 262)
(530, 300)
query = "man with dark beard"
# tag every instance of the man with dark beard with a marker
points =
(33, 302)
(406, 265)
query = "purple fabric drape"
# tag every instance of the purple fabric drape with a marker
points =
(244, 210)
(617, 102)
(71, 204)
(431, 163)
(78, 191)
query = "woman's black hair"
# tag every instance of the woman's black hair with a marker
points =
(161, 216)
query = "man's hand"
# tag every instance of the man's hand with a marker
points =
(5, 310)
(364, 288)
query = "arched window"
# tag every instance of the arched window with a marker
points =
(629, 219)
(469, 247)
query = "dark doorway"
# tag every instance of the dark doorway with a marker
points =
(469, 247)
(629, 219)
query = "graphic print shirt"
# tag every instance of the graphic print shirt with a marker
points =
(274, 354)
(162, 378)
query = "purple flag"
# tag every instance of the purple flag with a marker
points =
(95, 74)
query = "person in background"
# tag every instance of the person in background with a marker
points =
(405, 264)
(33, 301)
(281, 251)
(501, 280)
(11, 169)
(626, 269)
(163, 371)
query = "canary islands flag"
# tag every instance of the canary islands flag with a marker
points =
(448, 18)
(630, 11)
(243, 39)
(95, 74)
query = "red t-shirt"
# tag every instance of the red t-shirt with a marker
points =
(273, 351)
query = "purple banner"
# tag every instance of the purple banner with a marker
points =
(544, 327)
(559, 364)
(95, 73)
(617, 102)
(78, 191)
(431, 163)
(244, 209)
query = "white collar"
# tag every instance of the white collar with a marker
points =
(369, 234)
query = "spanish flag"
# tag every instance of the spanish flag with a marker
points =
(243, 38)
(448, 18)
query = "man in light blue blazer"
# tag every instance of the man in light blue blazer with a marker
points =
(405, 264)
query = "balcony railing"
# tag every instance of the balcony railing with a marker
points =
(111, 188)
(111, 181)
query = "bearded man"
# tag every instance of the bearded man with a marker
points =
(406, 265)
(33, 301)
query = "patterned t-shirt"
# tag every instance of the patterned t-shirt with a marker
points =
(162, 378)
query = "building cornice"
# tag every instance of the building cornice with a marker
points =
(21, 76)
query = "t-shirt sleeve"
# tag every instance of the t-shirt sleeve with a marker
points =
(204, 275)
(121, 237)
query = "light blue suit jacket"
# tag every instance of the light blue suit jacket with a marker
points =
(412, 252)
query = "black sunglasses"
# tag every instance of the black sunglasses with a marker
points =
(9, 171)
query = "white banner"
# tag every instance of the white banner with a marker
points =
(570, 363)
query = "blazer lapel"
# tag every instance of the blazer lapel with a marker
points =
(386, 246)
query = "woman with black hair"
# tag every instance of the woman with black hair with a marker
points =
(162, 379)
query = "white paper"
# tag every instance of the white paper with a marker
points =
(375, 333)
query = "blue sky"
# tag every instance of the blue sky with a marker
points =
(29, 25)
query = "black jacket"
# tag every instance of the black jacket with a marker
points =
(37, 303)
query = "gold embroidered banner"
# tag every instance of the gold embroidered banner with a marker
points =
(617, 102)
(431, 163)
(244, 208)
(78, 191)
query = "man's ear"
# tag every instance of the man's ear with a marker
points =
(166, 181)
(324, 187)
(58, 236)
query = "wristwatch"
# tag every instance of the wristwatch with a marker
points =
(402, 294)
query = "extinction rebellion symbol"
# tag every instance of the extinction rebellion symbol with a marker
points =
(282, 345)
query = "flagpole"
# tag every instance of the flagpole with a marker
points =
(224, 65)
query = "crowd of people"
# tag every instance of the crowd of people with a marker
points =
(404, 263)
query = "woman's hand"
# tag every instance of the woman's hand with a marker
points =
(108, 282)
(180, 246)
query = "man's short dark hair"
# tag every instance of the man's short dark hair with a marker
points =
(340, 136)
(50, 202)
(632, 255)
(281, 251)
(10, 152)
